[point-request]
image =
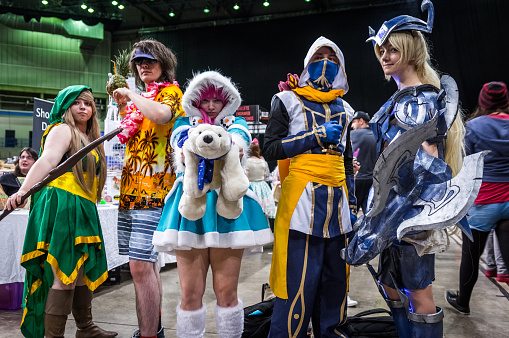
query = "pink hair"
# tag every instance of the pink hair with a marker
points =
(210, 92)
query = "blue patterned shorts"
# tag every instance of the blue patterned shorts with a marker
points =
(135, 231)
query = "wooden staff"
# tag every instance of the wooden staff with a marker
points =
(64, 167)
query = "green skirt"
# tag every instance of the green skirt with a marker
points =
(63, 232)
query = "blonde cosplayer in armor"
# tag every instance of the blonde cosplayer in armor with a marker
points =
(418, 187)
(309, 124)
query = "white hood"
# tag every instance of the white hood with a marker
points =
(203, 80)
(340, 81)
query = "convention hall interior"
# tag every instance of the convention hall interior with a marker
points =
(51, 44)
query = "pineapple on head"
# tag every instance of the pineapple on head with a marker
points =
(119, 80)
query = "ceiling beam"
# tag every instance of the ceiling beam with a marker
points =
(259, 18)
(148, 11)
(227, 6)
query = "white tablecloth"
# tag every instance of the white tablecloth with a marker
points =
(12, 236)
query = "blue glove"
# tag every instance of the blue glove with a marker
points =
(333, 132)
(353, 218)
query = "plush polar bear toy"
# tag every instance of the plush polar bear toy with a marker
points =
(212, 162)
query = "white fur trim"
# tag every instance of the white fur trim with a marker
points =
(176, 162)
(230, 320)
(340, 81)
(202, 80)
(244, 129)
(240, 141)
(191, 324)
(172, 239)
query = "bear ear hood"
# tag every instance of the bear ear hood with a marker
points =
(203, 80)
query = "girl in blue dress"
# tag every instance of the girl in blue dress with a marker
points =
(213, 240)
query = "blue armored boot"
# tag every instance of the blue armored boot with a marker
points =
(399, 314)
(426, 326)
(418, 325)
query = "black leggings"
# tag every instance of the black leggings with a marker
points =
(471, 253)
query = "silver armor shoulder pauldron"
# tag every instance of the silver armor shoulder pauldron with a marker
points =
(415, 105)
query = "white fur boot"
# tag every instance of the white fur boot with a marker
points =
(191, 324)
(230, 320)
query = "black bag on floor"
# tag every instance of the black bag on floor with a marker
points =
(257, 319)
(113, 277)
(364, 325)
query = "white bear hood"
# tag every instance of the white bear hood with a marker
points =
(202, 81)
(340, 81)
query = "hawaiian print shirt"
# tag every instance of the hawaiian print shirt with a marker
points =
(147, 175)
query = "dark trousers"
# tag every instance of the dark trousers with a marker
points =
(471, 252)
(361, 193)
(316, 283)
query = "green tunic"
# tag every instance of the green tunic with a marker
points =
(63, 232)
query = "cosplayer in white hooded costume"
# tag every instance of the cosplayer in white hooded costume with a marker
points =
(310, 125)
(212, 236)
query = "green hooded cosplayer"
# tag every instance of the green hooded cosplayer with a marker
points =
(63, 231)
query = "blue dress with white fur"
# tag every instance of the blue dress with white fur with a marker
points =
(175, 232)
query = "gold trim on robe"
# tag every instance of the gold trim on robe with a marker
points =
(323, 169)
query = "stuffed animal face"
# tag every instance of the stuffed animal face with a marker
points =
(208, 141)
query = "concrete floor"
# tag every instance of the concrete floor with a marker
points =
(113, 306)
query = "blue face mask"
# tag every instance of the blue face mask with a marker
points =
(322, 73)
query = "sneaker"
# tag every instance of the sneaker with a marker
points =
(452, 298)
(503, 278)
(350, 302)
(309, 332)
(267, 293)
(490, 273)
(137, 333)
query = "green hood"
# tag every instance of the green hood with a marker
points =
(63, 101)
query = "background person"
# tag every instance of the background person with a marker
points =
(257, 170)
(64, 253)
(495, 265)
(147, 175)
(363, 142)
(9, 181)
(487, 129)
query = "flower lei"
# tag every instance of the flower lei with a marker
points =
(133, 117)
